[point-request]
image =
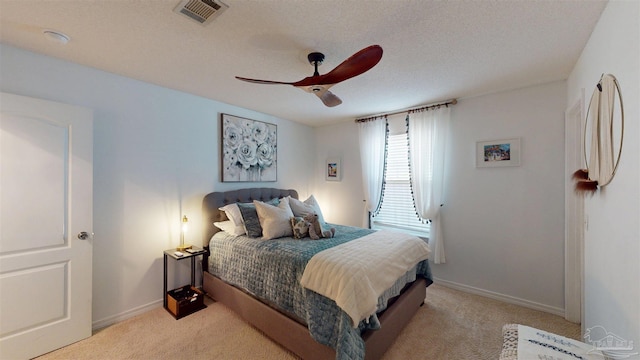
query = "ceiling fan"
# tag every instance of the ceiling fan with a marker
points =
(318, 84)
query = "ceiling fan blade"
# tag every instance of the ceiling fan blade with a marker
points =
(322, 91)
(355, 65)
(268, 82)
(328, 98)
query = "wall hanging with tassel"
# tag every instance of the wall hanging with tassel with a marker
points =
(602, 136)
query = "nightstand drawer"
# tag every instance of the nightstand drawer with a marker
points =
(184, 301)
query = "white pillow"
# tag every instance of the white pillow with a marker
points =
(229, 227)
(233, 213)
(303, 208)
(274, 220)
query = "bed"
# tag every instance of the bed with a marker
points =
(297, 327)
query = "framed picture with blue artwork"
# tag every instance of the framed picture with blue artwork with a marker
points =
(333, 172)
(498, 153)
(249, 150)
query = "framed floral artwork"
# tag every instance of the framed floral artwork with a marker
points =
(249, 150)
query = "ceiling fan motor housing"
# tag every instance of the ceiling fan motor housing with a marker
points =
(315, 58)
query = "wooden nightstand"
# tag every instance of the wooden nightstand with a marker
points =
(186, 299)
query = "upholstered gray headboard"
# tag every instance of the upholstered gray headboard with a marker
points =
(213, 201)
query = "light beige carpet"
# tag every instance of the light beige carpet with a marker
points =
(451, 325)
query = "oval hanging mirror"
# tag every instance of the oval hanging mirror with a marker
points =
(603, 134)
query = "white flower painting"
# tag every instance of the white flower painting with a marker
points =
(249, 150)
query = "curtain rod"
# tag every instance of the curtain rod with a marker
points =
(418, 109)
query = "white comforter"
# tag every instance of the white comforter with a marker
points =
(356, 273)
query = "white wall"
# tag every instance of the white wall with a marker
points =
(612, 238)
(503, 227)
(156, 154)
(342, 202)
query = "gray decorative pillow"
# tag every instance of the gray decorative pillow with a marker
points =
(251, 219)
(304, 208)
(274, 220)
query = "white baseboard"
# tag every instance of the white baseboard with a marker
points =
(108, 321)
(501, 297)
(99, 324)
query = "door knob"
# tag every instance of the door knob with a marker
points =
(84, 235)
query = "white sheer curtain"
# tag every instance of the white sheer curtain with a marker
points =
(372, 134)
(428, 132)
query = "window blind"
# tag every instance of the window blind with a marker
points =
(397, 210)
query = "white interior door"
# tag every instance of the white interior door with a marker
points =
(46, 179)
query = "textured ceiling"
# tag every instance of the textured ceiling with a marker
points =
(433, 50)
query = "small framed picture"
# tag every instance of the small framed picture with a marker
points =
(333, 172)
(498, 153)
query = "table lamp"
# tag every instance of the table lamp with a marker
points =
(183, 230)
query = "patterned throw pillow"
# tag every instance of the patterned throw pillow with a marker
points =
(300, 227)
(251, 219)
(509, 342)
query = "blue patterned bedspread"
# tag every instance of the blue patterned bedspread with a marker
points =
(272, 269)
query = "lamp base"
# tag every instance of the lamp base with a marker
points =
(183, 247)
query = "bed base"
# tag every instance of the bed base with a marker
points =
(295, 336)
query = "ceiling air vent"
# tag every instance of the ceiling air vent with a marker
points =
(202, 11)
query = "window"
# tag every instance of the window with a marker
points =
(397, 210)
